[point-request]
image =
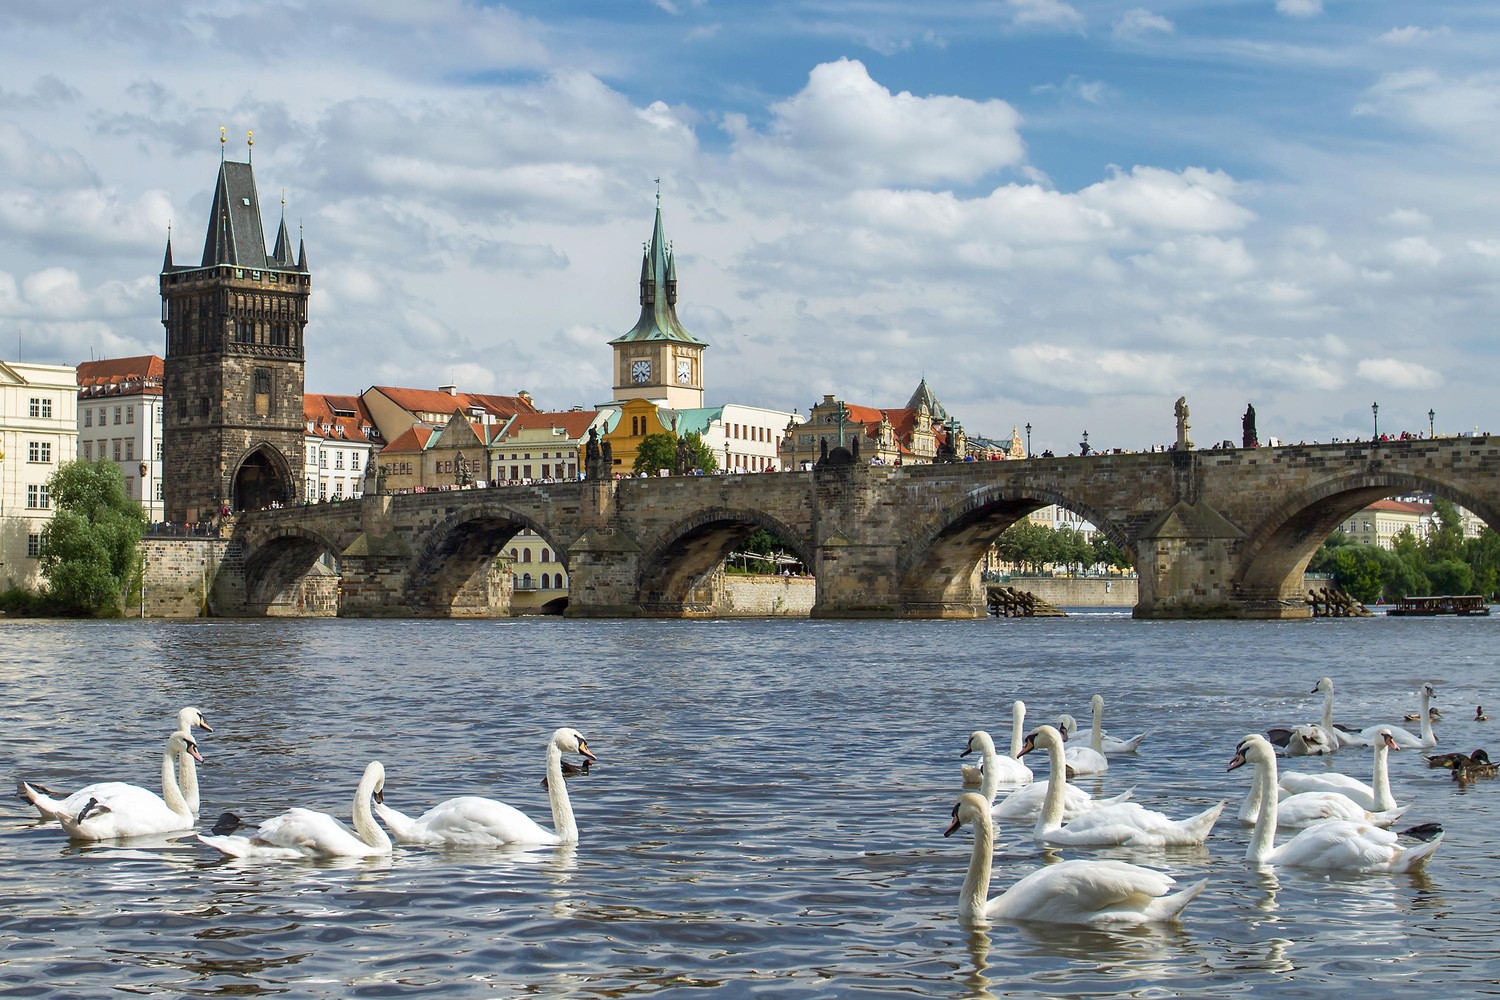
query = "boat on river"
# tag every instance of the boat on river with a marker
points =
(1449, 604)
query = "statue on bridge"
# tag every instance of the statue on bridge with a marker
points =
(592, 458)
(462, 473)
(1184, 443)
(1248, 438)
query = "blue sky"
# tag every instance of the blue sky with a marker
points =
(1066, 214)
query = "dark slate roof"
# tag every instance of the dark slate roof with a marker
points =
(924, 394)
(235, 235)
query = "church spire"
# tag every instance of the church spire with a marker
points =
(658, 319)
(282, 254)
(166, 261)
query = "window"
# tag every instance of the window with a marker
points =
(354, 460)
(88, 417)
(39, 451)
(130, 414)
(130, 449)
(338, 460)
(158, 451)
(546, 556)
(115, 447)
(41, 407)
(158, 414)
(561, 581)
(546, 581)
(158, 489)
(33, 546)
(117, 414)
(130, 486)
(322, 459)
(526, 555)
(88, 451)
(202, 407)
(338, 489)
(37, 497)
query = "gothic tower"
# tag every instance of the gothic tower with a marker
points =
(658, 359)
(232, 399)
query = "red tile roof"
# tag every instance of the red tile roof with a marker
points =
(414, 439)
(116, 376)
(574, 423)
(438, 401)
(319, 410)
(1401, 507)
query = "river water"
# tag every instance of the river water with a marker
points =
(766, 815)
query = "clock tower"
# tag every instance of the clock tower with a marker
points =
(658, 360)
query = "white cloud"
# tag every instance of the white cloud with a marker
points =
(1396, 374)
(1045, 14)
(1467, 108)
(1196, 199)
(1300, 8)
(845, 128)
(1088, 91)
(1139, 23)
(1407, 218)
(1410, 35)
(1414, 250)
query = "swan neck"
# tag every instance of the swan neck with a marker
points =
(976, 890)
(1328, 712)
(1017, 723)
(1096, 739)
(1427, 736)
(171, 792)
(1050, 818)
(187, 770)
(989, 787)
(563, 823)
(1264, 834)
(369, 831)
(1380, 781)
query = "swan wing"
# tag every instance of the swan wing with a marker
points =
(1011, 771)
(1088, 892)
(477, 821)
(122, 810)
(1405, 739)
(1086, 760)
(1339, 845)
(312, 833)
(1293, 782)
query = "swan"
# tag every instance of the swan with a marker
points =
(1125, 823)
(1106, 744)
(1007, 770)
(1405, 740)
(1375, 796)
(115, 809)
(1333, 845)
(51, 804)
(1307, 808)
(305, 833)
(471, 821)
(1083, 760)
(1070, 892)
(1025, 803)
(1316, 739)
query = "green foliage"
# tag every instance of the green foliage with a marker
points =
(1031, 546)
(703, 455)
(1107, 553)
(90, 548)
(1445, 562)
(1451, 576)
(659, 451)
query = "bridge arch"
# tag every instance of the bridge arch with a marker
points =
(1275, 554)
(262, 478)
(677, 571)
(453, 570)
(939, 568)
(292, 571)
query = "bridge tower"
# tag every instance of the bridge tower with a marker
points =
(234, 361)
(658, 359)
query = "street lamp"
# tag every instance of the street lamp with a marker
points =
(726, 452)
(1430, 415)
(1028, 439)
(1375, 414)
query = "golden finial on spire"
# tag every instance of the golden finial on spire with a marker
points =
(222, 140)
(250, 142)
(283, 198)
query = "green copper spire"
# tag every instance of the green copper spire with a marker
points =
(658, 293)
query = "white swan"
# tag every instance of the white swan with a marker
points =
(1083, 760)
(115, 809)
(1007, 770)
(304, 833)
(1025, 803)
(1307, 808)
(51, 804)
(1100, 739)
(1070, 892)
(478, 822)
(1375, 797)
(1125, 823)
(1405, 740)
(1318, 738)
(1333, 845)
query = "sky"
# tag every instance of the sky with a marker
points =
(1061, 214)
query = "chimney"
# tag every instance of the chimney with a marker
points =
(451, 390)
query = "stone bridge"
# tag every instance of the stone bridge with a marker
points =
(1213, 533)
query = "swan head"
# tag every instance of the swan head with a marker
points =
(1386, 739)
(1324, 686)
(189, 718)
(977, 740)
(967, 810)
(572, 741)
(1067, 725)
(1096, 702)
(181, 742)
(375, 779)
(1042, 736)
(1253, 749)
(1428, 692)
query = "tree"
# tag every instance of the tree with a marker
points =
(703, 455)
(1109, 554)
(657, 452)
(91, 547)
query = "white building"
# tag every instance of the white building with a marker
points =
(340, 438)
(119, 418)
(38, 432)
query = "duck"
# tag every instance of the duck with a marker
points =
(1081, 760)
(52, 804)
(115, 810)
(473, 821)
(1332, 845)
(307, 834)
(1010, 769)
(1105, 743)
(1092, 893)
(1469, 769)
(1479, 715)
(569, 770)
(1405, 740)
(1454, 759)
(1375, 796)
(1126, 823)
(1433, 714)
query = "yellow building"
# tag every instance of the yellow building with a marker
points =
(630, 424)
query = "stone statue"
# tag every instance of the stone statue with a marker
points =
(1184, 443)
(593, 466)
(684, 460)
(823, 449)
(461, 470)
(607, 459)
(1249, 439)
(854, 446)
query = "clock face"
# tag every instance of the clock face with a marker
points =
(640, 371)
(684, 370)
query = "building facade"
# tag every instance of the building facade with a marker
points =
(38, 432)
(914, 434)
(341, 442)
(234, 362)
(120, 418)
